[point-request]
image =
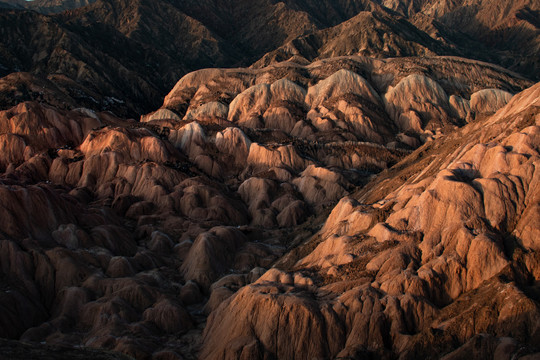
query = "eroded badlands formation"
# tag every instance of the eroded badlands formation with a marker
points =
(124, 55)
(346, 208)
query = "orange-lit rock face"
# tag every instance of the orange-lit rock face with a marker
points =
(391, 271)
(345, 208)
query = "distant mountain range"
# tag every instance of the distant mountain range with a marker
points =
(124, 55)
(46, 6)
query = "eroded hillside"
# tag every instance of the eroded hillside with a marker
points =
(280, 212)
(124, 56)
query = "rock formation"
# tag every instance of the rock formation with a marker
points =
(359, 191)
(123, 56)
(412, 262)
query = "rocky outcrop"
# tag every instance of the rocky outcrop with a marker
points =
(488, 101)
(271, 202)
(209, 110)
(416, 102)
(385, 104)
(341, 83)
(256, 101)
(44, 127)
(261, 156)
(161, 114)
(319, 185)
(211, 255)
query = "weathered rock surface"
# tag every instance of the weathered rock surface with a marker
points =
(206, 229)
(101, 54)
(330, 100)
(413, 261)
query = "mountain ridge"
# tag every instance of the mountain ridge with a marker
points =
(145, 47)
